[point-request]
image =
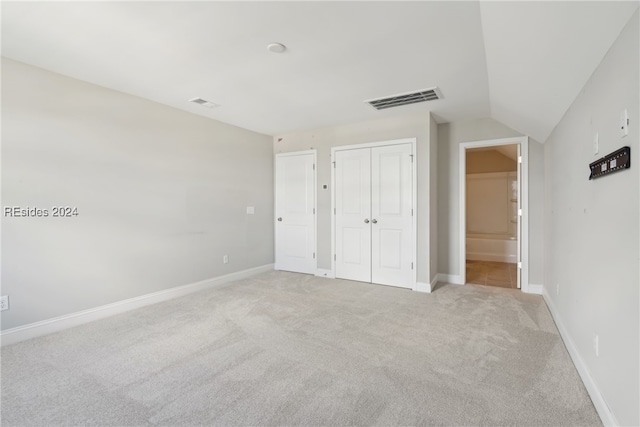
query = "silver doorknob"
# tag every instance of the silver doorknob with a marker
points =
(375, 221)
(366, 221)
(279, 218)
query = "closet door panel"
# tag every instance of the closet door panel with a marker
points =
(391, 212)
(353, 214)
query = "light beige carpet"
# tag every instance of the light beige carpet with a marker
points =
(289, 349)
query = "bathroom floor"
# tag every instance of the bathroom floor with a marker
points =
(500, 274)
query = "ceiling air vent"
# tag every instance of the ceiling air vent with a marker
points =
(203, 102)
(406, 98)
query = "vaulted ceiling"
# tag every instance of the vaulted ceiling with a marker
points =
(522, 63)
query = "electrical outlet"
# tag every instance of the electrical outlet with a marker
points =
(4, 302)
(596, 344)
(225, 259)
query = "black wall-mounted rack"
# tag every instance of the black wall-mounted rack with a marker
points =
(613, 162)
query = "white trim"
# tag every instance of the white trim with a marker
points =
(535, 289)
(56, 324)
(315, 203)
(454, 279)
(607, 417)
(321, 272)
(372, 145)
(423, 287)
(414, 184)
(523, 200)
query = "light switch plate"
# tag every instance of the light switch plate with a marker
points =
(624, 123)
(250, 210)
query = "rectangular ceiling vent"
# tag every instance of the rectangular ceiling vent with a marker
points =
(203, 102)
(406, 98)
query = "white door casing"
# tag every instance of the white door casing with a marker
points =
(523, 205)
(374, 227)
(519, 219)
(295, 212)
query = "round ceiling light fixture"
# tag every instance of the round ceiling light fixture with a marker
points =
(276, 47)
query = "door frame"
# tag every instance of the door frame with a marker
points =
(414, 196)
(315, 203)
(523, 197)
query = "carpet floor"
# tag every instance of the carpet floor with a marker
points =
(289, 349)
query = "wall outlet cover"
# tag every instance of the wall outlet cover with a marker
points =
(4, 302)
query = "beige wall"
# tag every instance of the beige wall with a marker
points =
(592, 229)
(407, 126)
(450, 135)
(488, 161)
(161, 196)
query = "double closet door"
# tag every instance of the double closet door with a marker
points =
(374, 236)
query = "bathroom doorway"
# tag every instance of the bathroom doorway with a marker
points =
(493, 213)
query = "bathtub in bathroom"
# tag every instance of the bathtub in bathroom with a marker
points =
(492, 247)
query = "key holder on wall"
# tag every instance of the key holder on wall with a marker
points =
(613, 162)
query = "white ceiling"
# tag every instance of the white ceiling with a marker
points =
(522, 63)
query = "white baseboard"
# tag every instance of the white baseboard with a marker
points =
(321, 272)
(67, 321)
(534, 289)
(607, 417)
(454, 279)
(423, 287)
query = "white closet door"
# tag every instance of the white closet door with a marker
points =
(391, 215)
(353, 214)
(295, 213)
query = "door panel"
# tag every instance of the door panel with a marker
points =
(391, 212)
(353, 208)
(295, 216)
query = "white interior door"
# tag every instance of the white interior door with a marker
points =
(295, 212)
(353, 214)
(391, 215)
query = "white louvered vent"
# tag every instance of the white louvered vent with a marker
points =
(406, 98)
(203, 102)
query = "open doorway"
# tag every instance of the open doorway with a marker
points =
(492, 216)
(493, 202)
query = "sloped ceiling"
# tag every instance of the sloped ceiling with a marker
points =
(521, 63)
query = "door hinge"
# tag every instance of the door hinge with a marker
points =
(334, 164)
(314, 211)
(334, 257)
(519, 159)
(314, 166)
(519, 212)
(334, 211)
(411, 212)
(519, 265)
(314, 255)
(412, 266)
(411, 155)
